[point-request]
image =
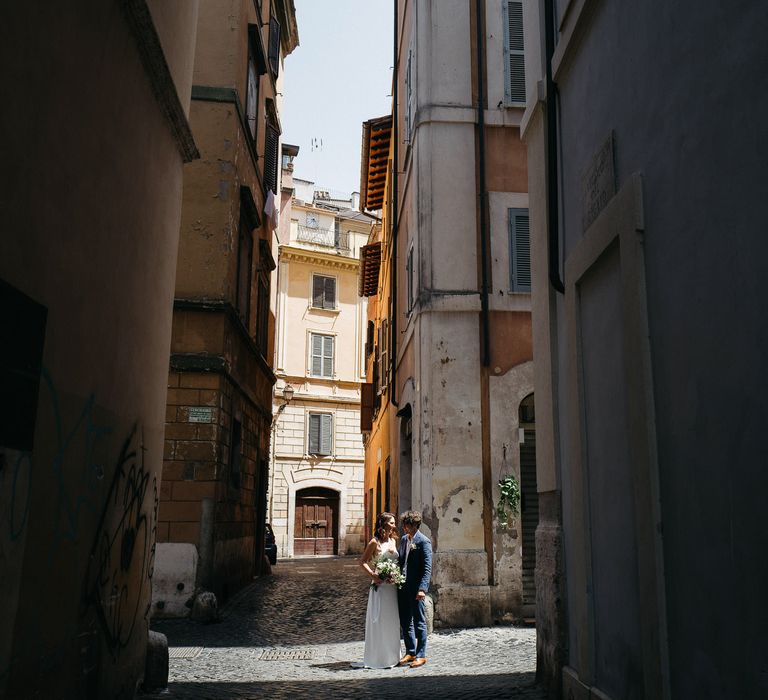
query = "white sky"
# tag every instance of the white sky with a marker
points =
(337, 78)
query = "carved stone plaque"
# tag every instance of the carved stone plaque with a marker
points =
(598, 183)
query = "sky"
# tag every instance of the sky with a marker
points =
(338, 77)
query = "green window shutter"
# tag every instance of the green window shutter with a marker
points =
(514, 53)
(327, 356)
(317, 355)
(314, 433)
(520, 250)
(272, 138)
(326, 430)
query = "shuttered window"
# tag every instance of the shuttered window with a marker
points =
(519, 251)
(366, 407)
(409, 280)
(323, 292)
(320, 433)
(270, 158)
(274, 46)
(384, 354)
(262, 320)
(410, 95)
(514, 53)
(321, 360)
(244, 269)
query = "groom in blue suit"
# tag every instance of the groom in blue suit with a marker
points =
(415, 552)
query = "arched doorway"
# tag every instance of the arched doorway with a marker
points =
(316, 524)
(529, 502)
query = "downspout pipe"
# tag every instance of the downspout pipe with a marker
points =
(553, 213)
(483, 190)
(393, 221)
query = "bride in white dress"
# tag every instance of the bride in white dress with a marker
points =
(382, 622)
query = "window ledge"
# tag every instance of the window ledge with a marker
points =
(318, 309)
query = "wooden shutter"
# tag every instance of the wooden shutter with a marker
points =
(514, 50)
(252, 96)
(274, 45)
(369, 339)
(326, 432)
(409, 279)
(317, 355)
(318, 290)
(314, 433)
(329, 300)
(366, 407)
(410, 97)
(270, 158)
(384, 341)
(327, 355)
(520, 250)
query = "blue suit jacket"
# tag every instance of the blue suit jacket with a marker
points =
(419, 562)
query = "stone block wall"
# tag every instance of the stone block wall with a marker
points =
(343, 471)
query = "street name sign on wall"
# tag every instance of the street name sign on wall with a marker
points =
(200, 414)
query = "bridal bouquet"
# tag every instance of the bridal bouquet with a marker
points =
(388, 571)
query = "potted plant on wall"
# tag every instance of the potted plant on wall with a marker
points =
(508, 505)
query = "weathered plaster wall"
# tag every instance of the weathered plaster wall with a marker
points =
(439, 371)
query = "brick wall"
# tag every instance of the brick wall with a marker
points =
(200, 412)
(192, 459)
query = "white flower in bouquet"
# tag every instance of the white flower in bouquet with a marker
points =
(388, 571)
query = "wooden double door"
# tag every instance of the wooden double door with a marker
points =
(316, 524)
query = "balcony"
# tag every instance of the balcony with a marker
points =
(326, 238)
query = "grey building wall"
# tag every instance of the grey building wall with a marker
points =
(659, 381)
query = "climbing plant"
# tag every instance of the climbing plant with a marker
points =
(509, 499)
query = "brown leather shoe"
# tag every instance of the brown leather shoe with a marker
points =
(418, 662)
(406, 659)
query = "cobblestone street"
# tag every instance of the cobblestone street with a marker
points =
(296, 633)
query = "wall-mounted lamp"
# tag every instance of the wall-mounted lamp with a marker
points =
(287, 393)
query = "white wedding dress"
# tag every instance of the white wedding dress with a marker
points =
(382, 622)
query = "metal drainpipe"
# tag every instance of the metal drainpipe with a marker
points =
(483, 194)
(553, 214)
(393, 218)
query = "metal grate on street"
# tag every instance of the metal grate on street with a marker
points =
(287, 655)
(184, 652)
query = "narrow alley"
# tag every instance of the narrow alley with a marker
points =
(296, 634)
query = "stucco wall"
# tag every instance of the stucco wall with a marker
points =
(667, 104)
(91, 198)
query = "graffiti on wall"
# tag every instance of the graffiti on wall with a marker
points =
(123, 552)
(82, 454)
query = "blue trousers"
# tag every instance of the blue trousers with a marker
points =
(413, 622)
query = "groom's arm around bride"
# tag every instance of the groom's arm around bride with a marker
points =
(415, 553)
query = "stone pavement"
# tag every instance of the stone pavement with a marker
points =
(295, 634)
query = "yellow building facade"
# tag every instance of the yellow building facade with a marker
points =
(316, 490)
